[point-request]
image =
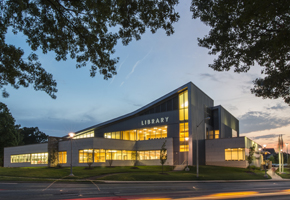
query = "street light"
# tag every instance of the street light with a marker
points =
(260, 156)
(207, 118)
(266, 176)
(71, 135)
(187, 169)
(287, 152)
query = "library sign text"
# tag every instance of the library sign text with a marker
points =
(154, 121)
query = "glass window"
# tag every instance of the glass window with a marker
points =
(21, 158)
(140, 134)
(141, 155)
(84, 135)
(217, 134)
(183, 106)
(86, 156)
(234, 154)
(228, 154)
(183, 137)
(157, 154)
(118, 135)
(146, 155)
(62, 157)
(39, 158)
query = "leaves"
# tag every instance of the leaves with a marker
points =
(244, 33)
(86, 30)
(33, 135)
(9, 131)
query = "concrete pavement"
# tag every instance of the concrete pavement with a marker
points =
(273, 175)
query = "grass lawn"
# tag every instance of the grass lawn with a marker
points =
(206, 173)
(143, 173)
(287, 173)
(79, 172)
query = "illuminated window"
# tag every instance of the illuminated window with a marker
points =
(99, 155)
(157, 132)
(39, 158)
(21, 158)
(234, 154)
(149, 155)
(216, 134)
(183, 106)
(88, 134)
(86, 156)
(62, 157)
(183, 137)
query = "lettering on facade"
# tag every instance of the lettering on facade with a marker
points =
(154, 121)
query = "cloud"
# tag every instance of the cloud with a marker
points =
(137, 63)
(279, 106)
(270, 136)
(121, 84)
(210, 76)
(257, 121)
(118, 70)
(58, 126)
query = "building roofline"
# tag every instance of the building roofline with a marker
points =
(138, 110)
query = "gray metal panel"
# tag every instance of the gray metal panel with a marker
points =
(198, 101)
(25, 149)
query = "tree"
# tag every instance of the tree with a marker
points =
(86, 30)
(272, 159)
(163, 154)
(9, 131)
(250, 157)
(244, 33)
(135, 158)
(33, 135)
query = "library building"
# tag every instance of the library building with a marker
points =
(185, 120)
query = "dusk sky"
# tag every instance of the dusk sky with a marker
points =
(148, 69)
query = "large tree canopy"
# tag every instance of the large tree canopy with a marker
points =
(246, 32)
(32, 135)
(85, 30)
(9, 133)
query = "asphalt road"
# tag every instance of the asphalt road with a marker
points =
(164, 191)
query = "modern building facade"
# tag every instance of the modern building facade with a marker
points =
(179, 119)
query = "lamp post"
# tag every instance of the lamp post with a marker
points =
(71, 135)
(287, 152)
(282, 161)
(266, 176)
(187, 169)
(197, 171)
(260, 156)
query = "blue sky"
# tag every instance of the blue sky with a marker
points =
(148, 69)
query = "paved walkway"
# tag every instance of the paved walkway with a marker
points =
(274, 176)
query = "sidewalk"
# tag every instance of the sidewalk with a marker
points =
(274, 176)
